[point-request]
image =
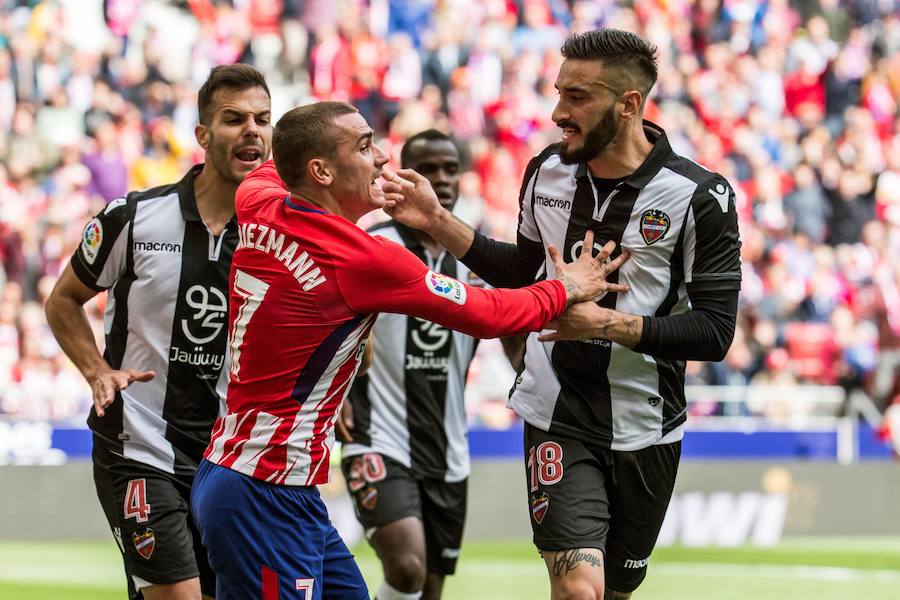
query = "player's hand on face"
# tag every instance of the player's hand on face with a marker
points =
(409, 198)
(585, 278)
(105, 385)
(579, 322)
(344, 424)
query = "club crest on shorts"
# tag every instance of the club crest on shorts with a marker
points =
(368, 498)
(539, 506)
(654, 225)
(144, 542)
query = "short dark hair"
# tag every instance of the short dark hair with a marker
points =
(429, 135)
(232, 77)
(304, 133)
(616, 48)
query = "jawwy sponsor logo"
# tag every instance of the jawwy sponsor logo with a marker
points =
(445, 287)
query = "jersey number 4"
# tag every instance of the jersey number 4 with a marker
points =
(252, 290)
(136, 500)
(545, 464)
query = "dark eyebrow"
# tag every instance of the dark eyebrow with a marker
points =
(368, 136)
(572, 88)
(237, 113)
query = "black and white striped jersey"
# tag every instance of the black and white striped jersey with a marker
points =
(410, 403)
(166, 311)
(679, 222)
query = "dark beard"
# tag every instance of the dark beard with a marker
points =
(596, 140)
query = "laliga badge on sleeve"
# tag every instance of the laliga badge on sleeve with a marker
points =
(144, 542)
(91, 240)
(445, 287)
(539, 506)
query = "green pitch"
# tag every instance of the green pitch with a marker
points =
(799, 569)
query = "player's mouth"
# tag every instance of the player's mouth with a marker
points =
(376, 183)
(250, 156)
(568, 133)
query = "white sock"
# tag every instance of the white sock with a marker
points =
(388, 592)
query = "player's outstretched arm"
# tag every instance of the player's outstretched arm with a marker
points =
(413, 202)
(68, 321)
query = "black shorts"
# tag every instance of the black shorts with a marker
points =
(383, 491)
(583, 496)
(148, 511)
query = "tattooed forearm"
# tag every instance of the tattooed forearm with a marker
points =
(606, 324)
(568, 560)
(631, 326)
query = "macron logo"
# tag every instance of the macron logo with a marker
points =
(553, 202)
(636, 564)
(721, 196)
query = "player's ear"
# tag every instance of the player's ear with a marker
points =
(632, 100)
(201, 132)
(320, 171)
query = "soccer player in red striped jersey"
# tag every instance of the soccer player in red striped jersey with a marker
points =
(306, 286)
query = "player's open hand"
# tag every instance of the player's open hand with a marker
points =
(105, 385)
(585, 278)
(410, 199)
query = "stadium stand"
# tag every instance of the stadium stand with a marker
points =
(795, 101)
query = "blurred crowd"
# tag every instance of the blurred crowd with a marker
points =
(796, 102)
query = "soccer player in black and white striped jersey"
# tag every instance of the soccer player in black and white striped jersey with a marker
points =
(602, 394)
(164, 254)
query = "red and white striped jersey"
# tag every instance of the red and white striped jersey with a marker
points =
(306, 286)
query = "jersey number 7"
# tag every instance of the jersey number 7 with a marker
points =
(253, 291)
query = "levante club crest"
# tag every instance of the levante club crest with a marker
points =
(539, 506)
(144, 541)
(654, 225)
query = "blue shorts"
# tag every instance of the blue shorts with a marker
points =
(271, 542)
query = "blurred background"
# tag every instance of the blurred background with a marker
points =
(794, 434)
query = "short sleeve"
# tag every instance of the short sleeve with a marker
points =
(712, 245)
(100, 259)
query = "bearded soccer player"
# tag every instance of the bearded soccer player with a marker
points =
(602, 396)
(306, 287)
(164, 255)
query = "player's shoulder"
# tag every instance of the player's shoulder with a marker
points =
(709, 186)
(548, 156)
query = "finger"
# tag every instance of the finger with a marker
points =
(555, 257)
(618, 287)
(617, 262)
(606, 251)
(411, 175)
(400, 178)
(98, 406)
(342, 432)
(390, 187)
(589, 242)
(140, 375)
(553, 336)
